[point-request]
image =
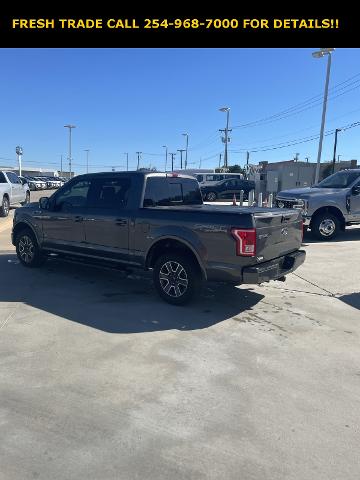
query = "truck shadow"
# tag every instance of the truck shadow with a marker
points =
(352, 299)
(350, 235)
(113, 301)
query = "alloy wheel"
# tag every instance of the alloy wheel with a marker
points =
(173, 279)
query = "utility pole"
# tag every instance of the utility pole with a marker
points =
(172, 160)
(247, 164)
(138, 159)
(166, 155)
(339, 157)
(320, 54)
(187, 148)
(70, 127)
(220, 159)
(296, 157)
(61, 165)
(127, 161)
(335, 145)
(200, 164)
(87, 160)
(226, 139)
(181, 152)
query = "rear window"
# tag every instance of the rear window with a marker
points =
(162, 191)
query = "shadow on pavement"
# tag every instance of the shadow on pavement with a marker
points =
(352, 299)
(350, 235)
(114, 301)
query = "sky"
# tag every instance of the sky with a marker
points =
(130, 100)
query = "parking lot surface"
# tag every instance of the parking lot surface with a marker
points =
(101, 379)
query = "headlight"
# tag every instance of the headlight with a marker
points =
(299, 203)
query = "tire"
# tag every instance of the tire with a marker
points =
(325, 226)
(211, 196)
(27, 249)
(4, 207)
(185, 281)
(27, 198)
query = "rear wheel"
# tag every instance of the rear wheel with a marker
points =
(27, 199)
(4, 207)
(176, 278)
(325, 226)
(211, 196)
(27, 249)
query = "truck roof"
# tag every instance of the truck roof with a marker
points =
(137, 173)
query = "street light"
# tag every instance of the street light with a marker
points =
(227, 110)
(319, 54)
(187, 147)
(335, 145)
(70, 127)
(166, 155)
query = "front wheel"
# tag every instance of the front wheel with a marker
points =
(27, 249)
(177, 278)
(4, 207)
(27, 199)
(211, 196)
(325, 226)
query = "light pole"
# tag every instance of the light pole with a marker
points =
(226, 140)
(19, 152)
(335, 145)
(319, 54)
(127, 161)
(172, 160)
(166, 155)
(187, 147)
(138, 159)
(87, 159)
(181, 152)
(70, 127)
(339, 157)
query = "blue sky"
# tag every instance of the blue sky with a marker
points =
(128, 100)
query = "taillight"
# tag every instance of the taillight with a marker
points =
(245, 241)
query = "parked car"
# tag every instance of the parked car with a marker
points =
(35, 184)
(42, 181)
(12, 191)
(226, 189)
(329, 206)
(158, 221)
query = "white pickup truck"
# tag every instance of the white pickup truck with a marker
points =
(12, 191)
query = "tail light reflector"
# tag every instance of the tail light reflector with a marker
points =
(245, 241)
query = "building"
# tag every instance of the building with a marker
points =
(277, 176)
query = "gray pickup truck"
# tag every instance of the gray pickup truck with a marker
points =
(12, 191)
(158, 222)
(329, 206)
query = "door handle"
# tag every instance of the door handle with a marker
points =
(78, 218)
(121, 221)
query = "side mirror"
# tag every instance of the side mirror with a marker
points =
(44, 203)
(356, 190)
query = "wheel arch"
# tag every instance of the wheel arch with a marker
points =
(166, 244)
(330, 209)
(22, 226)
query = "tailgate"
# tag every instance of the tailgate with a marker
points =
(277, 233)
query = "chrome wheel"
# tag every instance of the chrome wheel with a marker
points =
(26, 249)
(173, 279)
(211, 196)
(327, 227)
(6, 207)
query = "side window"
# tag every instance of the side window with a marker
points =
(109, 193)
(13, 178)
(75, 195)
(164, 192)
(200, 178)
(2, 178)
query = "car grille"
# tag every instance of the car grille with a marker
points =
(285, 203)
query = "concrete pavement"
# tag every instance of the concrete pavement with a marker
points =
(101, 379)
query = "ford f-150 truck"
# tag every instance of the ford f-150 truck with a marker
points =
(12, 192)
(158, 222)
(328, 206)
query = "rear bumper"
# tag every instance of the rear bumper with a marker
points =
(273, 269)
